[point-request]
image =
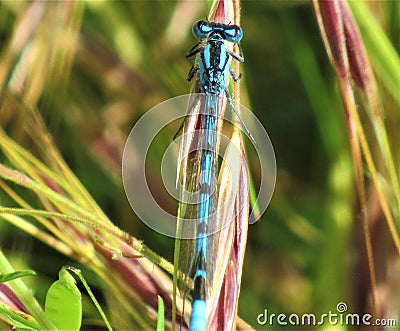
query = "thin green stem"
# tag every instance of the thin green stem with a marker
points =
(95, 302)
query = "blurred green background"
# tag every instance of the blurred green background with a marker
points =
(306, 254)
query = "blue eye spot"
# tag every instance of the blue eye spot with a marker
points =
(202, 29)
(233, 33)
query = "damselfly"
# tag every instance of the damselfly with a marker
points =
(213, 68)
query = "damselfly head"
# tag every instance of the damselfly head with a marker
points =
(203, 29)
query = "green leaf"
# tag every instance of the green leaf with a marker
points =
(383, 55)
(20, 320)
(160, 315)
(63, 303)
(17, 274)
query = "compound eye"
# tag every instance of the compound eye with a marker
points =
(233, 33)
(201, 29)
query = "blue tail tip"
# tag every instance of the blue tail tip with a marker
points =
(198, 319)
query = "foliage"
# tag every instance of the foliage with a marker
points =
(74, 78)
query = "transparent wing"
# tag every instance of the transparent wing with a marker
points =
(222, 213)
